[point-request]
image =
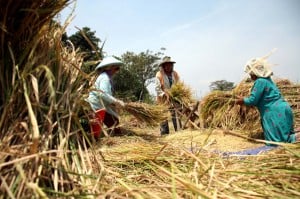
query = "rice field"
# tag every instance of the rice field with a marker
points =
(46, 153)
(187, 164)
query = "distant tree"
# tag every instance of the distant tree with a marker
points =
(86, 41)
(221, 85)
(126, 85)
(138, 72)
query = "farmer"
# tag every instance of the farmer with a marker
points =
(276, 114)
(101, 97)
(164, 79)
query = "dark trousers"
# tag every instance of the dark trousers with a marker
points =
(164, 126)
(111, 122)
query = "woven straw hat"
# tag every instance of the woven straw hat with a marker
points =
(166, 59)
(108, 62)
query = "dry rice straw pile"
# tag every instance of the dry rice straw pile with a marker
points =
(219, 111)
(150, 114)
(171, 170)
(181, 93)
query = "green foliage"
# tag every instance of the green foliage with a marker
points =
(127, 85)
(86, 41)
(221, 85)
(138, 72)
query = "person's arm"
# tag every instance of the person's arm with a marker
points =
(256, 93)
(104, 88)
(163, 94)
(158, 87)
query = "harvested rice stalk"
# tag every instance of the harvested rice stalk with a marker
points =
(169, 168)
(215, 100)
(150, 114)
(181, 93)
(219, 111)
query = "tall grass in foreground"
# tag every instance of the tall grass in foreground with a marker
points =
(41, 97)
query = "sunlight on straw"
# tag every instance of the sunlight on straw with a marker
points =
(33, 120)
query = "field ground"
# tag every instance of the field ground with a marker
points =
(188, 164)
(209, 139)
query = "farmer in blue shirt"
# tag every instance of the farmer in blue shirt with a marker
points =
(276, 113)
(101, 97)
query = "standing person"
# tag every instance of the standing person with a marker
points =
(276, 114)
(101, 97)
(164, 79)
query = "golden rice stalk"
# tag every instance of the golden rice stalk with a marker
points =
(150, 114)
(214, 100)
(243, 88)
(181, 93)
(172, 167)
(219, 111)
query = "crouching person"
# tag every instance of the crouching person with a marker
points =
(101, 98)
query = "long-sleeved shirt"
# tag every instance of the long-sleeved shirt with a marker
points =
(276, 114)
(162, 82)
(101, 96)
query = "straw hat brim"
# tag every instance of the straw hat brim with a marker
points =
(164, 62)
(108, 63)
(108, 66)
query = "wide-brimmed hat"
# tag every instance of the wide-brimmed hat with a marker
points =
(166, 59)
(108, 62)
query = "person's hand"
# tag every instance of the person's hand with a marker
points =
(119, 103)
(166, 96)
(239, 101)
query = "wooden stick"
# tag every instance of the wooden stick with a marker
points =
(191, 122)
(254, 140)
(190, 114)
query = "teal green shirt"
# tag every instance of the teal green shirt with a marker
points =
(276, 114)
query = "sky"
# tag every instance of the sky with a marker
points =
(210, 40)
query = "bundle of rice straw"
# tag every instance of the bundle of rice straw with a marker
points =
(181, 93)
(150, 114)
(219, 111)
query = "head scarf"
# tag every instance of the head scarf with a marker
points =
(259, 66)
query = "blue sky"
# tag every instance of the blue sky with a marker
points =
(210, 40)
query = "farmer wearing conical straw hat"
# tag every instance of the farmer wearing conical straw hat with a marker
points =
(276, 114)
(164, 79)
(101, 97)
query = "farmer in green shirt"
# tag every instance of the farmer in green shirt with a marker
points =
(276, 113)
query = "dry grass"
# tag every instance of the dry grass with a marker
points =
(43, 153)
(184, 165)
(219, 111)
(148, 113)
(182, 94)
